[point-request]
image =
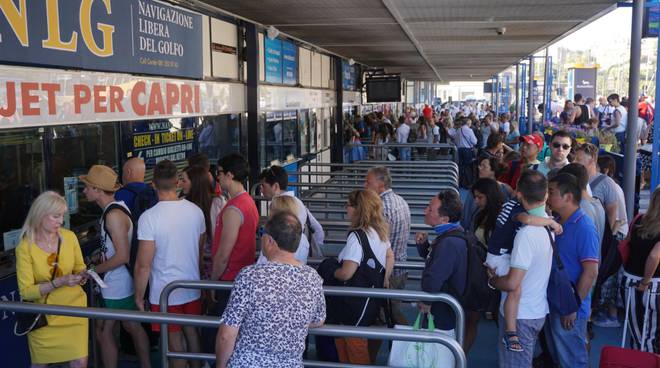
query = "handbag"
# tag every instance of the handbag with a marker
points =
(624, 245)
(28, 322)
(563, 298)
(413, 354)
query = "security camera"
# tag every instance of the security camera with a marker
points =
(500, 30)
(272, 32)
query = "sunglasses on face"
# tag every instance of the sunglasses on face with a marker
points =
(559, 145)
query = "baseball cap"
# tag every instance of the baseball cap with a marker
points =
(533, 139)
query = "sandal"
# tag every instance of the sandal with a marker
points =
(511, 342)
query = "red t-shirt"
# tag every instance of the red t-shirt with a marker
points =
(243, 253)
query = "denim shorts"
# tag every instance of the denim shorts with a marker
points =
(528, 332)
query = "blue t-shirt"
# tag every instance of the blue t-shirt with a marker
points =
(128, 192)
(578, 243)
(506, 227)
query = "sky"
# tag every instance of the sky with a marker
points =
(614, 27)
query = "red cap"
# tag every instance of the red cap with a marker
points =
(533, 139)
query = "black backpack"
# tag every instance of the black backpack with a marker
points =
(134, 244)
(412, 136)
(142, 201)
(477, 296)
(359, 311)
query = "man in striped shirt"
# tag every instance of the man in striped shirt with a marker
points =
(397, 213)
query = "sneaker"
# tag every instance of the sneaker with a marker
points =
(606, 321)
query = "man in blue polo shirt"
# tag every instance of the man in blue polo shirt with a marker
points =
(578, 250)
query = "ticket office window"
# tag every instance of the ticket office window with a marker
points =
(313, 128)
(73, 150)
(219, 136)
(305, 140)
(22, 179)
(278, 136)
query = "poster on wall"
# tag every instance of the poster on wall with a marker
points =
(349, 76)
(71, 194)
(289, 63)
(159, 140)
(134, 36)
(273, 60)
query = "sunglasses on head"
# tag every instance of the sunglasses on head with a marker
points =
(559, 145)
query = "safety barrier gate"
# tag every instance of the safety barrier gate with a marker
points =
(455, 346)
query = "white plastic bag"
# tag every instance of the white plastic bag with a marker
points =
(410, 354)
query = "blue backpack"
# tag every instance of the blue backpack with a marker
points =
(563, 297)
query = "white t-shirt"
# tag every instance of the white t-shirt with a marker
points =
(402, 133)
(624, 119)
(175, 227)
(506, 127)
(119, 280)
(353, 250)
(532, 252)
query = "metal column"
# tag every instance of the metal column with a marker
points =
(655, 174)
(337, 134)
(530, 102)
(497, 95)
(630, 156)
(252, 84)
(545, 86)
(517, 108)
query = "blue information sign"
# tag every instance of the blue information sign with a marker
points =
(134, 36)
(349, 76)
(273, 60)
(651, 26)
(289, 63)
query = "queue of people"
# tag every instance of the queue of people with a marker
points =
(528, 215)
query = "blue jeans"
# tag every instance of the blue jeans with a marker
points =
(528, 332)
(568, 347)
(404, 154)
(621, 138)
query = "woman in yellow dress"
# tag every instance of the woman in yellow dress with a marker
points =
(64, 339)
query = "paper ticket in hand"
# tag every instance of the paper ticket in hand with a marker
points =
(97, 279)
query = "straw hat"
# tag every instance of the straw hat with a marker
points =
(102, 177)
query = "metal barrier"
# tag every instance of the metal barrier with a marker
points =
(202, 321)
(443, 151)
(334, 291)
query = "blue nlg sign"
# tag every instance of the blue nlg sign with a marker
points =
(133, 36)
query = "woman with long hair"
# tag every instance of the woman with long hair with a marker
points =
(50, 270)
(489, 199)
(194, 183)
(360, 262)
(642, 278)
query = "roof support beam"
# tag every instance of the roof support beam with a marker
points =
(402, 23)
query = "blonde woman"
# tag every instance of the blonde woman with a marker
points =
(642, 278)
(367, 260)
(289, 204)
(49, 267)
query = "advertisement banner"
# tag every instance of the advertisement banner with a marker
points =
(289, 63)
(273, 60)
(133, 36)
(349, 75)
(160, 140)
(37, 97)
(584, 82)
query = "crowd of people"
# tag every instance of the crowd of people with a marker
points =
(544, 222)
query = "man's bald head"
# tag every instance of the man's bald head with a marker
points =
(133, 171)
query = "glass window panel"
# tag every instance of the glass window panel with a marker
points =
(304, 132)
(219, 136)
(21, 176)
(289, 135)
(74, 149)
(313, 121)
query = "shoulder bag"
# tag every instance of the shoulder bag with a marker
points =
(28, 322)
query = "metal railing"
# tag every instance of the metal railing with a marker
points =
(444, 151)
(396, 294)
(202, 321)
